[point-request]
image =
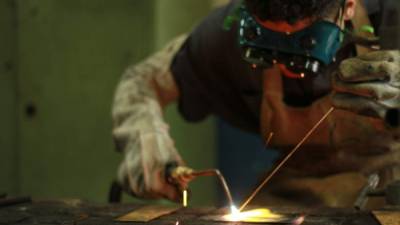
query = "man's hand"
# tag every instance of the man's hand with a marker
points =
(181, 176)
(143, 173)
(369, 84)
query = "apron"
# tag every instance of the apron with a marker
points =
(331, 167)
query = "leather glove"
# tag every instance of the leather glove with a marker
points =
(180, 175)
(143, 173)
(370, 85)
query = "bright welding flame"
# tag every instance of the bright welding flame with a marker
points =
(234, 210)
(251, 215)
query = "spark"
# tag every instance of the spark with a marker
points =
(268, 141)
(276, 169)
(184, 199)
(177, 223)
(299, 220)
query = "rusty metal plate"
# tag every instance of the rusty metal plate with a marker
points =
(387, 217)
(148, 213)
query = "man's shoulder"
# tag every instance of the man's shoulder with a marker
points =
(210, 33)
(211, 47)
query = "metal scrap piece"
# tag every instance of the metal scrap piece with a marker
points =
(387, 217)
(148, 213)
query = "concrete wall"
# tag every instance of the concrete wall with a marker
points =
(8, 96)
(63, 60)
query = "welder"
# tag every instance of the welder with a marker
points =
(271, 66)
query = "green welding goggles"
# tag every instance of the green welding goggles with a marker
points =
(303, 53)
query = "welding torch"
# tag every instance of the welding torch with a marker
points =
(175, 174)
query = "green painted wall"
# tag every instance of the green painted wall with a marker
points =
(71, 55)
(196, 142)
(8, 126)
(63, 60)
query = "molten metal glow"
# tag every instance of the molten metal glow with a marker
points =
(254, 215)
(234, 210)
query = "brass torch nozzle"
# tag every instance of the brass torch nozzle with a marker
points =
(178, 172)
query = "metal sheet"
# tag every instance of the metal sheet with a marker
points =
(256, 216)
(283, 220)
(148, 213)
(387, 217)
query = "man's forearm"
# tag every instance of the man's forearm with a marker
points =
(139, 129)
(143, 91)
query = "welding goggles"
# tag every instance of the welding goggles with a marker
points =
(302, 53)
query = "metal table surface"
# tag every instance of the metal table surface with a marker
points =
(83, 213)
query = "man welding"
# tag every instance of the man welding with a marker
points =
(269, 66)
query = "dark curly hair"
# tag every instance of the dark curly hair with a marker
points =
(292, 10)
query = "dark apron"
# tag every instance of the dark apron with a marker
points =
(332, 166)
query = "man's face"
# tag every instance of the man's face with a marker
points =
(338, 17)
(289, 28)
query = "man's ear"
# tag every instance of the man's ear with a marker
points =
(350, 9)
